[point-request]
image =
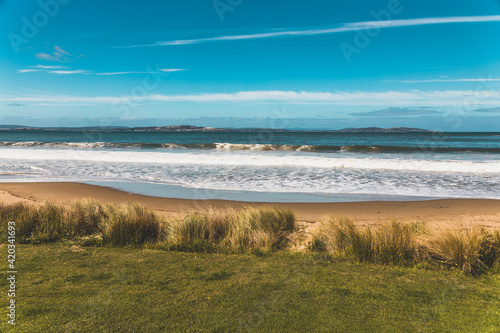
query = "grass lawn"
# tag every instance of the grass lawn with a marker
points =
(65, 288)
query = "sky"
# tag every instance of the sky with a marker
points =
(312, 64)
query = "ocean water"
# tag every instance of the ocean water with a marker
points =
(262, 165)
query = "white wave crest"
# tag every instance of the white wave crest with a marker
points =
(253, 159)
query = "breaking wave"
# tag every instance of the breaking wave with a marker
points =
(224, 146)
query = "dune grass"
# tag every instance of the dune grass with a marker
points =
(110, 224)
(251, 229)
(34, 224)
(471, 250)
(130, 224)
(393, 242)
(94, 223)
(264, 228)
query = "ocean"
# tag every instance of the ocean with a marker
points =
(272, 166)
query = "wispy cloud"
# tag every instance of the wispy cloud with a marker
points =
(60, 50)
(16, 104)
(452, 80)
(53, 71)
(59, 55)
(29, 70)
(353, 26)
(61, 71)
(48, 67)
(413, 99)
(64, 72)
(165, 70)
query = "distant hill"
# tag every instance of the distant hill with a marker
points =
(189, 128)
(85, 128)
(4, 127)
(384, 130)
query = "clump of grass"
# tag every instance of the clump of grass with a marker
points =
(24, 215)
(389, 243)
(211, 226)
(265, 228)
(34, 224)
(396, 243)
(262, 228)
(85, 218)
(48, 222)
(472, 250)
(130, 224)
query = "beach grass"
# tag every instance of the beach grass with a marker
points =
(127, 224)
(264, 228)
(94, 223)
(94, 267)
(393, 242)
(257, 230)
(130, 225)
(64, 287)
(471, 249)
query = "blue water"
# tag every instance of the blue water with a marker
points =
(262, 165)
(419, 142)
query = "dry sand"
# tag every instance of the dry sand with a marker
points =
(454, 212)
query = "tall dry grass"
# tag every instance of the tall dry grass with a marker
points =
(264, 228)
(394, 242)
(211, 226)
(48, 222)
(130, 224)
(471, 249)
(85, 217)
(36, 224)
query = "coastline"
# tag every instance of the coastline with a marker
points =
(454, 212)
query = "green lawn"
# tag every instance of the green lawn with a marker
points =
(105, 289)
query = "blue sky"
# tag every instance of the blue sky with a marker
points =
(295, 64)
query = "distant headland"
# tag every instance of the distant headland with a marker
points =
(189, 128)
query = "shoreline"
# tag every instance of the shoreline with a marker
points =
(455, 212)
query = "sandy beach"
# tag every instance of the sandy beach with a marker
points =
(454, 212)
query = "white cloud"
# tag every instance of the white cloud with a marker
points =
(78, 71)
(57, 70)
(59, 55)
(450, 80)
(56, 56)
(414, 98)
(48, 67)
(353, 26)
(28, 70)
(60, 50)
(165, 70)
(168, 70)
